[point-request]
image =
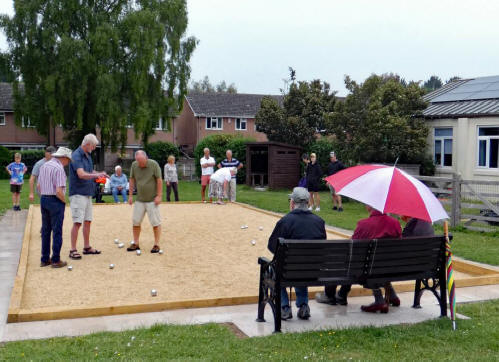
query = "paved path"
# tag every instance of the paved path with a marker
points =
(11, 236)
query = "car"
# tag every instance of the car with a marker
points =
(107, 188)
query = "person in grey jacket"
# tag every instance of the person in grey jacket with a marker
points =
(118, 184)
(171, 178)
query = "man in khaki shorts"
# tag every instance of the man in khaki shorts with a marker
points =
(146, 175)
(81, 190)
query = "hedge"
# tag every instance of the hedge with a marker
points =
(218, 145)
(29, 158)
(159, 151)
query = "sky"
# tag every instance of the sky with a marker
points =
(251, 43)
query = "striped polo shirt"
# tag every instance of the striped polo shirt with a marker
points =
(51, 177)
(234, 162)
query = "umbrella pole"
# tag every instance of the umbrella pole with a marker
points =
(450, 276)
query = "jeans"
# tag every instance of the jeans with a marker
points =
(301, 296)
(52, 219)
(174, 186)
(115, 192)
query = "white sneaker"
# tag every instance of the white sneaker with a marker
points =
(310, 208)
(317, 209)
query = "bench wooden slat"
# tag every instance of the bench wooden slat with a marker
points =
(375, 271)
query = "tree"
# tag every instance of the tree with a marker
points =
(99, 65)
(204, 86)
(453, 79)
(6, 72)
(432, 84)
(302, 115)
(378, 121)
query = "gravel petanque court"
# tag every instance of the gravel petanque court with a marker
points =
(207, 257)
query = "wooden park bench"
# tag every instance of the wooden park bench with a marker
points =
(370, 263)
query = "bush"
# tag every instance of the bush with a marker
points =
(5, 159)
(218, 145)
(159, 151)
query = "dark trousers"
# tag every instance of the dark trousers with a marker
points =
(174, 186)
(330, 291)
(52, 220)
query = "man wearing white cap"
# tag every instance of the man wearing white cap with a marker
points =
(299, 224)
(52, 186)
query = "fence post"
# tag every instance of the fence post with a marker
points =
(456, 200)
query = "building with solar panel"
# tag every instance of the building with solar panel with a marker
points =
(463, 117)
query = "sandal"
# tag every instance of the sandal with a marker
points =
(74, 254)
(155, 249)
(133, 247)
(90, 251)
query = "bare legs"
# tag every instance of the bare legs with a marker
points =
(157, 234)
(86, 234)
(314, 200)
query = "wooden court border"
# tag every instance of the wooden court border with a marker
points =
(484, 276)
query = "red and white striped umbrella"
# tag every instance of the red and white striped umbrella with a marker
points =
(389, 190)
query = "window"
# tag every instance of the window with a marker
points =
(488, 147)
(2, 118)
(214, 123)
(158, 126)
(443, 147)
(241, 124)
(26, 122)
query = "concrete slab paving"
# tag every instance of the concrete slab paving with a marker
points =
(243, 316)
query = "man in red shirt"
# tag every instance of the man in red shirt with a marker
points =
(376, 226)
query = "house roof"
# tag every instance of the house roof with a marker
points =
(6, 97)
(474, 97)
(226, 104)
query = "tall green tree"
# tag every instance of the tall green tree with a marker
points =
(301, 116)
(93, 65)
(204, 86)
(6, 72)
(433, 83)
(378, 121)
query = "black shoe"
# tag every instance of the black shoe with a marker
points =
(323, 298)
(304, 312)
(340, 209)
(335, 208)
(286, 313)
(341, 300)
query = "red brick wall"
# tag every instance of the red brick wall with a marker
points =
(12, 135)
(185, 127)
(229, 127)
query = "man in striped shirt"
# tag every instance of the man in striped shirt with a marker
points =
(231, 162)
(52, 187)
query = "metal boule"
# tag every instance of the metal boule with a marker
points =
(120, 245)
(111, 266)
(70, 267)
(139, 252)
(116, 241)
(154, 292)
(161, 251)
(253, 242)
(132, 242)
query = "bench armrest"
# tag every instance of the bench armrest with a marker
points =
(263, 260)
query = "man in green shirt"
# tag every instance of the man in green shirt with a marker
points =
(146, 175)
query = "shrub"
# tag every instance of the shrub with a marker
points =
(5, 159)
(159, 151)
(218, 145)
(322, 148)
(30, 157)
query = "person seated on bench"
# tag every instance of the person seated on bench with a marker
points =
(416, 227)
(299, 224)
(376, 226)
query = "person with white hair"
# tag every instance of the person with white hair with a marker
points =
(146, 175)
(207, 163)
(118, 184)
(81, 189)
(230, 162)
(219, 183)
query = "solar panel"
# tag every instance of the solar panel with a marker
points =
(479, 88)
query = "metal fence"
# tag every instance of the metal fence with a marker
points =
(473, 204)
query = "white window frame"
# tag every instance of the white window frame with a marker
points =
(487, 148)
(3, 116)
(23, 122)
(241, 120)
(219, 121)
(159, 127)
(442, 147)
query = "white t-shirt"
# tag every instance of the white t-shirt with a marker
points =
(222, 175)
(206, 171)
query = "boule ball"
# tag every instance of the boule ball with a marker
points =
(260, 228)
(120, 245)
(116, 241)
(132, 242)
(154, 292)
(70, 267)
(111, 266)
(139, 252)
(161, 251)
(253, 242)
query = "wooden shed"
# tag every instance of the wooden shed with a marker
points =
(272, 164)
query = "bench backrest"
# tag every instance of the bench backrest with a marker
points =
(368, 262)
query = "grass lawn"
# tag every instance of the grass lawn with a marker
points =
(475, 339)
(477, 246)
